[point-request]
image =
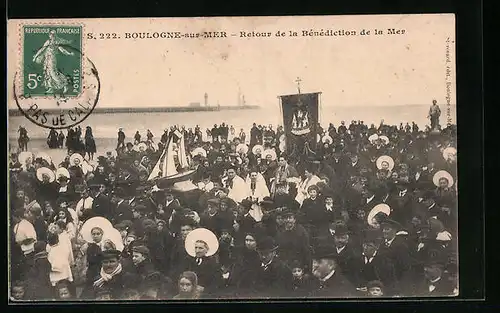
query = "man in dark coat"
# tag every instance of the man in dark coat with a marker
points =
(372, 265)
(112, 277)
(435, 282)
(395, 247)
(330, 283)
(345, 251)
(143, 266)
(273, 278)
(293, 241)
(122, 210)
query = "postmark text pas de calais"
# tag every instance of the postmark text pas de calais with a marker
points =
(51, 62)
(56, 85)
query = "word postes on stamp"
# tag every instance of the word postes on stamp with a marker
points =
(50, 64)
(56, 87)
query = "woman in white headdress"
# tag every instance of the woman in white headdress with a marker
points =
(256, 185)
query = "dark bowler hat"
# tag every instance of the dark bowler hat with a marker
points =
(341, 230)
(391, 224)
(246, 203)
(436, 258)
(214, 201)
(324, 252)
(267, 244)
(141, 249)
(296, 264)
(288, 212)
(267, 202)
(372, 236)
(126, 224)
(327, 193)
(111, 254)
(375, 284)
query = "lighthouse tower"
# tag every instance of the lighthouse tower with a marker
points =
(206, 99)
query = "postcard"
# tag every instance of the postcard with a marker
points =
(274, 157)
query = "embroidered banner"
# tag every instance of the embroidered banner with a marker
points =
(300, 121)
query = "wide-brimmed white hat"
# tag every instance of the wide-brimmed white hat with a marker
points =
(327, 138)
(257, 147)
(385, 139)
(75, 156)
(242, 148)
(204, 235)
(62, 171)
(45, 171)
(382, 207)
(282, 146)
(449, 153)
(140, 145)
(385, 158)
(442, 174)
(270, 152)
(113, 235)
(86, 167)
(24, 156)
(98, 221)
(44, 156)
(373, 138)
(199, 151)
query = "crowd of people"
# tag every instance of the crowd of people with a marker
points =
(374, 214)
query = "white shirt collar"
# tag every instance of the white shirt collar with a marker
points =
(389, 242)
(368, 260)
(370, 199)
(340, 249)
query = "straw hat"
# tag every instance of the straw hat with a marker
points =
(204, 235)
(24, 156)
(45, 171)
(282, 146)
(199, 151)
(113, 235)
(385, 139)
(385, 158)
(141, 146)
(74, 157)
(257, 147)
(242, 148)
(449, 153)
(100, 222)
(62, 171)
(379, 208)
(442, 174)
(270, 152)
(373, 138)
(327, 138)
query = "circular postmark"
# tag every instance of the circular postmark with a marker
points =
(69, 95)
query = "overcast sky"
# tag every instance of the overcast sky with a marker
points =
(361, 70)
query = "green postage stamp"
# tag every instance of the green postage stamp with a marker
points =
(52, 60)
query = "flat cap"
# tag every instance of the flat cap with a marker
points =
(141, 249)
